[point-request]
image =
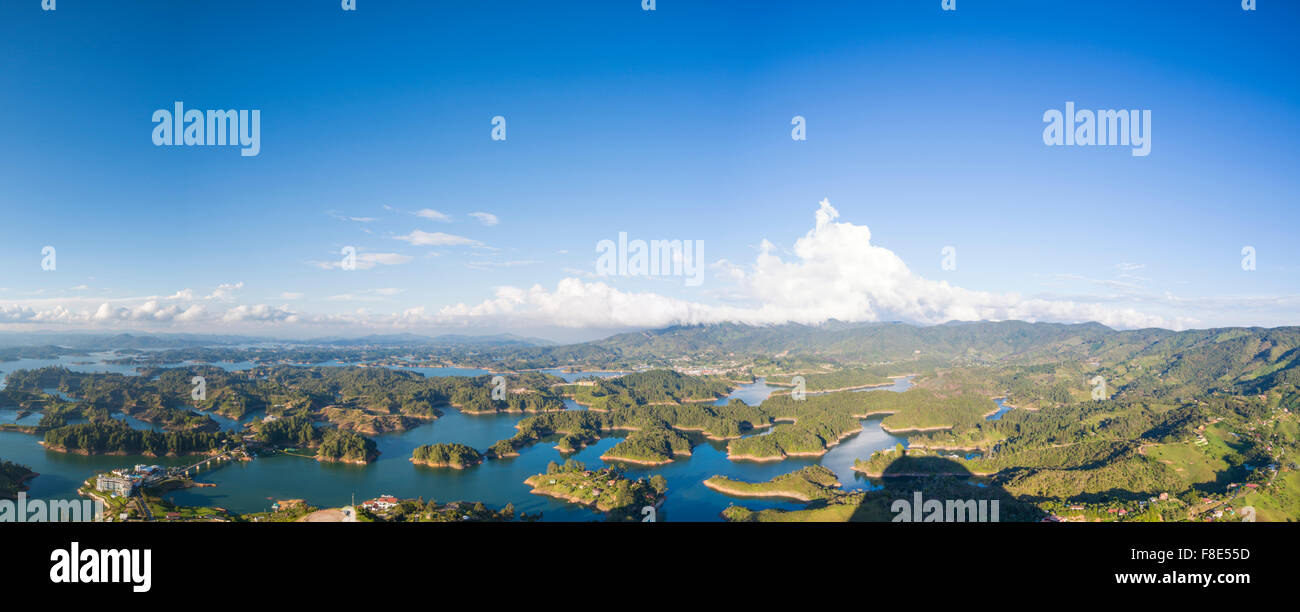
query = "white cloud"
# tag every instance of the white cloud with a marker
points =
(366, 261)
(225, 292)
(258, 312)
(502, 264)
(429, 213)
(485, 218)
(369, 295)
(420, 238)
(836, 273)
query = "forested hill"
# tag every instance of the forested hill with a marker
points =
(977, 340)
(873, 341)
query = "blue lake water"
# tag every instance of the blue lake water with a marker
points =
(1003, 408)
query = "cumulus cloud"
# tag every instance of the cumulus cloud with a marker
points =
(835, 273)
(258, 312)
(225, 292)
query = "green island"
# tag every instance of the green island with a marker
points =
(13, 479)
(457, 456)
(343, 446)
(332, 445)
(607, 490)
(810, 483)
(420, 511)
(113, 437)
(811, 426)
(655, 444)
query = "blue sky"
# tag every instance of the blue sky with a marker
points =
(923, 125)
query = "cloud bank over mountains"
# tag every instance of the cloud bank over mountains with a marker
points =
(834, 271)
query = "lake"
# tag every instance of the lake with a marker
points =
(252, 486)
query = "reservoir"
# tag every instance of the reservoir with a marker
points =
(252, 486)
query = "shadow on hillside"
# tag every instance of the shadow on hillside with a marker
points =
(908, 479)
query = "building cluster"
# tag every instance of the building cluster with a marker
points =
(383, 503)
(123, 482)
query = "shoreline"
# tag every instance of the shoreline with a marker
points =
(364, 461)
(738, 493)
(887, 430)
(454, 466)
(822, 391)
(870, 474)
(830, 445)
(609, 457)
(577, 501)
(85, 453)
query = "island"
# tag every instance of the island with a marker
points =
(608, 490)
(454, 455)
(810, 483)
(13, 479)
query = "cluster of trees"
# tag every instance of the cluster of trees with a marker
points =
(1043, 385)
(652, 443)
(419, 511)
(578, 428)
(11, 477)
(290, 431)
(113, 436)
(816, 422)
(845, 378)
(650, 387)
(51, 421)
(810, 483)
(14, 353)
(145, 397)
(449, 455)
(1091, 451)
(477, 399)
(346, 446)
(607, 489)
